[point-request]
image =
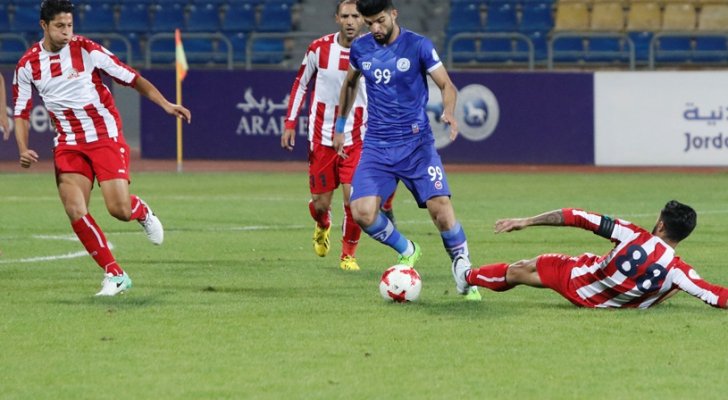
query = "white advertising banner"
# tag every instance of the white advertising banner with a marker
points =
(661, 118)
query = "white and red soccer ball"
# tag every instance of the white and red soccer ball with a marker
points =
(400, 283)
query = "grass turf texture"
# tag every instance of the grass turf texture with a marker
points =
(236, 305)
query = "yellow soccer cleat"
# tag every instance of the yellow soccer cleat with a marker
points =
(321, 243)
(348, 263)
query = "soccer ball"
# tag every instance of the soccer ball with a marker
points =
(400, 283)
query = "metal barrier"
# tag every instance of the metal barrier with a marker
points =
(100, 37)
(688, 55)
(531, 55)
(292, 52)
(12, 57)
(586, 53)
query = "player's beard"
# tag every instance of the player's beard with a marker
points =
(385, 38)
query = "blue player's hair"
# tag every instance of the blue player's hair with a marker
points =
(372, 7)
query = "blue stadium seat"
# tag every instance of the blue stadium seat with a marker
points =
(239, 40)
(463, 50)
(501, 17)
(539, 40)
(607, 50)
(641, 40)
(239, 18)
(4, 18)
(268, 51)
(464, 17)
(275, 17)
(25, 17)
(11, 50)
(134, 17)
(168, 17)
(710, 49)
(674, 49)
(536, 16)
(97, 17)
(496, 49)
(163, 51)
(569, 49)
(204, 17)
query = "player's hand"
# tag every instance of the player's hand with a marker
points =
(288, 140)
(448, 119)
(27, 158)
(339, 145)
(179, 112)
(510, 224)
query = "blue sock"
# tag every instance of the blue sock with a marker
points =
(382, 230)
(455, 242)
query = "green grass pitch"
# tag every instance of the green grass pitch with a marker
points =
(235, 305)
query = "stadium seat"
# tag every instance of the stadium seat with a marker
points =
(569, 49)
(501, 17)
(678, 17)
(711, 49)
(713, 17)
(536, 17)
(4, 18)
(643, 19)
(539, 40)
(239, 18)
(464, 17)
(267, 51)
(239, 41)
(463, 50)
(571, 16)
(134, 17)
(275, 17)
(97, 17)
(25, 18)
(168, 17)
(607, 16)
(12, 48)
(204, 17)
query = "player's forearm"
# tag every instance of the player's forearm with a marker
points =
(148, 90)
(552, 218)
(346, 98)
(22, 128)
(449, 98)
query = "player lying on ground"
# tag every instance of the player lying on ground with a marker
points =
(642, 270)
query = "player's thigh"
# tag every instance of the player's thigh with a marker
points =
(373, 177)
(322, 169)
(74, 191)
(424, 175)
(117, 198)
(109, 159)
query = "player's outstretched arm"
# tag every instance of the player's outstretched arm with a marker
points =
(551, 218)
(449, 98)
(148, 90)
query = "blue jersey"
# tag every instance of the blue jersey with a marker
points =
(396, 85)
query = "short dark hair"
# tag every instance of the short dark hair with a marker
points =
(679, 220)
(372, 7)
(50, 8)
(340, 2)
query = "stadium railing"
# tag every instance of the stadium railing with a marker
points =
(12, 47)
(506, 57)
(290, 55)
(694, 55)
(587, 56)
(102, 37)
(150, 53)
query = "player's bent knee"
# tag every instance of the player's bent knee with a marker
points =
(521, 272)
(120, 212)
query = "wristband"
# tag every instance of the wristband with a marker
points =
(340, 124)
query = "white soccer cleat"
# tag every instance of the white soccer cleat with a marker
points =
(460, 267)
(152, 226)
(113, 285)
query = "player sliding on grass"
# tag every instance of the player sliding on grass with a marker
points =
(326, 61)
(66, 70)
(400, 144)
(642, 270)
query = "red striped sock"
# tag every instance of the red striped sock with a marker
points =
(94, 241)
(138, 210)
(322, 219)
(351, 235)
(491, 276)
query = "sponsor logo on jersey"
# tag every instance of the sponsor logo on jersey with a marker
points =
(403, 64)
(366, 65)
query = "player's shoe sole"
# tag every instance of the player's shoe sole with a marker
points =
(321, 243)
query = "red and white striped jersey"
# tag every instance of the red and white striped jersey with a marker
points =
(641, 270)
(326, 62)
(69, 82)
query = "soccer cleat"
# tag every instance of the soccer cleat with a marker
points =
(460, 267)
(113, 285)
(321, 244)
(411, 259)
(389, 214)
(473, 294)
(152, 226)
(348, 263)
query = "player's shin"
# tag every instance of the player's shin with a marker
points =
(351, 234)
(491, 276)
(383, 231)
(455, 242)
(94, 241)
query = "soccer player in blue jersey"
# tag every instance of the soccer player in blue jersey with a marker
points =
(400, 145)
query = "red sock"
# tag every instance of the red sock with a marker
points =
(94, 241)
(138, 210)
(491, 276)
(351, 234)
(323, 219)
(387, 205)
